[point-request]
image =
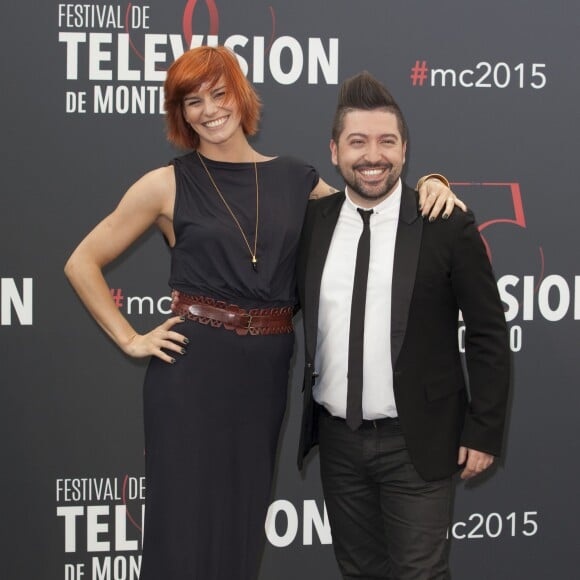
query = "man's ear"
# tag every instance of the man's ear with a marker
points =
(333, 152)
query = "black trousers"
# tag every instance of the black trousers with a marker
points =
(387, 522)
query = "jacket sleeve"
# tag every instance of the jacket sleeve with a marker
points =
(486, 340)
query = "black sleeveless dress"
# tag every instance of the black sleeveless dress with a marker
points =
(212, 419)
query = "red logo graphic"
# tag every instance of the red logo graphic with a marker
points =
(187, 23)
(126, 504)
(188, 19)
(499, 210)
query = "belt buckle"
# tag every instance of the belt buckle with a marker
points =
(247, 325)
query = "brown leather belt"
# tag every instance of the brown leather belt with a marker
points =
(216, 313)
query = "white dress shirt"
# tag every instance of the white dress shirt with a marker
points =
(331, 362)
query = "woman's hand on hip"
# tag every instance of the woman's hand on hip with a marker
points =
(160, 339)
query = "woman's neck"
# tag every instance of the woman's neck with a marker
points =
(236, 150)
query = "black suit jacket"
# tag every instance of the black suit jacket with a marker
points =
(439, 268)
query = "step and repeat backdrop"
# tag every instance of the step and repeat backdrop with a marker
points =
(491, 93)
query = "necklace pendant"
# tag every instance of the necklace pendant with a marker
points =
(254, 263)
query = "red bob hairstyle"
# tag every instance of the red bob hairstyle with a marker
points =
(201, 65)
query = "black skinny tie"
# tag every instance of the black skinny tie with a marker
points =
(354, 415)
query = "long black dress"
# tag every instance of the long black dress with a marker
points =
(212, 419)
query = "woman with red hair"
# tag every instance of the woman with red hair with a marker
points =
(215, 389)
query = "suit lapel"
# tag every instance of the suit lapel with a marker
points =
(321, 235)
(407, 246)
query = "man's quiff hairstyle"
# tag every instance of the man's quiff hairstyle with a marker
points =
(207, 65)
(365, 92)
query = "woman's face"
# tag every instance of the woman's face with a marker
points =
(212, 113)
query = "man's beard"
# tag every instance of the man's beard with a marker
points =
(371, 193)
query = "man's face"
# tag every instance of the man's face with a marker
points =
(369, 154)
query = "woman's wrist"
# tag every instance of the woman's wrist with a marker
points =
(437, 176)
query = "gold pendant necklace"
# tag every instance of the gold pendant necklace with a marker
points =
(252, 252)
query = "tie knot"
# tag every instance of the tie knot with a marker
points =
(365, 214)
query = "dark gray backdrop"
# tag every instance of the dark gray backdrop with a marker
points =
(502, 123)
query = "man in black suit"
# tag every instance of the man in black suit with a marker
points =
(387, 399)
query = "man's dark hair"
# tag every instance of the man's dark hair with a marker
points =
(365, 92)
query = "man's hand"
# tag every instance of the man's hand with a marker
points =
(475, 462)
